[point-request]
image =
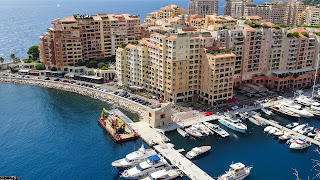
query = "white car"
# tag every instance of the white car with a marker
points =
(235, 107)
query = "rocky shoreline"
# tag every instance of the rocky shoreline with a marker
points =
(109, 97)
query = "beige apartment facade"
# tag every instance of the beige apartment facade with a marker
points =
(173, 67)
(84, 38)
(203, 7)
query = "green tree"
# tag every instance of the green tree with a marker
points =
(16, 60)
(12, 56)
(40, 67)
(1, 59)
(34, 52)
(91, 64)
(101, 64)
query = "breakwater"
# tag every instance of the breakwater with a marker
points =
(109, 97)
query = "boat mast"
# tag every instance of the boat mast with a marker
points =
(315, 75)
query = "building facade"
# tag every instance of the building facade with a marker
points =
(82, 38)
(203, 7)
(178, 67)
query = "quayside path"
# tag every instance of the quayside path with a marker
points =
(313, 141)
(153, 136)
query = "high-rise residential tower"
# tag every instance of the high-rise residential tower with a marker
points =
(203, 7)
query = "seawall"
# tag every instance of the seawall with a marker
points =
(109, 97)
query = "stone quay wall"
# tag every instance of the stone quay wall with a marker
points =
(109, 97)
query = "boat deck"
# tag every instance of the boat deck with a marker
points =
(313, 141)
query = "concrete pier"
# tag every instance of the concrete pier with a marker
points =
(154, 136)
(313, 141)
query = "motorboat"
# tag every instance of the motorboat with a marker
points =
(284, 111)
(315, 107)
(298, 128)
(267, 112)
(317, 137)
(237, 171)
(273, 130)
(278, 133)
(292, 125)
(306, 101)
(312, 134)
(193, 132)
(197, 151)
(285, 136)
(256, 121)
(206, 131)
(145, 168)
(233, 123)
(291, 106)
(199, 129)
(182, 132)
(164, 174)
(300, 144)
(217, 129)
(267, 129)
(133, 158)
(306, 129)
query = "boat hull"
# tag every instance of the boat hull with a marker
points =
(225, 123)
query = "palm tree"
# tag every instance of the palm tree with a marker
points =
(1, 59)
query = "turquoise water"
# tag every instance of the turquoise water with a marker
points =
(52, 134)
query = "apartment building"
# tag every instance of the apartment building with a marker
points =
(310, 17)
(203, 7)
(274, 11)
(277, 12)
(170, 11)
(236, 8)
(178, 67)
(196, 21)
(84, 38)
(219, 19)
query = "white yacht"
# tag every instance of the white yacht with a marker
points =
(304, 100)
(193, 132)
(291, 106)
(197, 151)
(217, 129)
(182, 132)
(298, 128)
(267, 112)
(315, 107)
(133, 158)
(292, 125)
(278, 133)
(300, 144)
(233, 123)
(267, 129)
(154, 163)
(206, 131)
(306, 129)
(285, 136)
(237, 171)
(164, 174)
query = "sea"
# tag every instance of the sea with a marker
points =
(24, 21)
(52, 134)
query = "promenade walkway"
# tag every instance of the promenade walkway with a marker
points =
(313, 141)
(154, 136)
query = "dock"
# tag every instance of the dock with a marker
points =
(313, 141)
(151, 136)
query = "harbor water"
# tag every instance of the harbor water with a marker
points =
(52, 134)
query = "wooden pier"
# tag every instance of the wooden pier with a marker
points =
(313, 141)
(151, 136)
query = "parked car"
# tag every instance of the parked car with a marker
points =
(57, 79)
(47, 78)
(77, 83)
(208, 113)
(117, 92)
(235, 108)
